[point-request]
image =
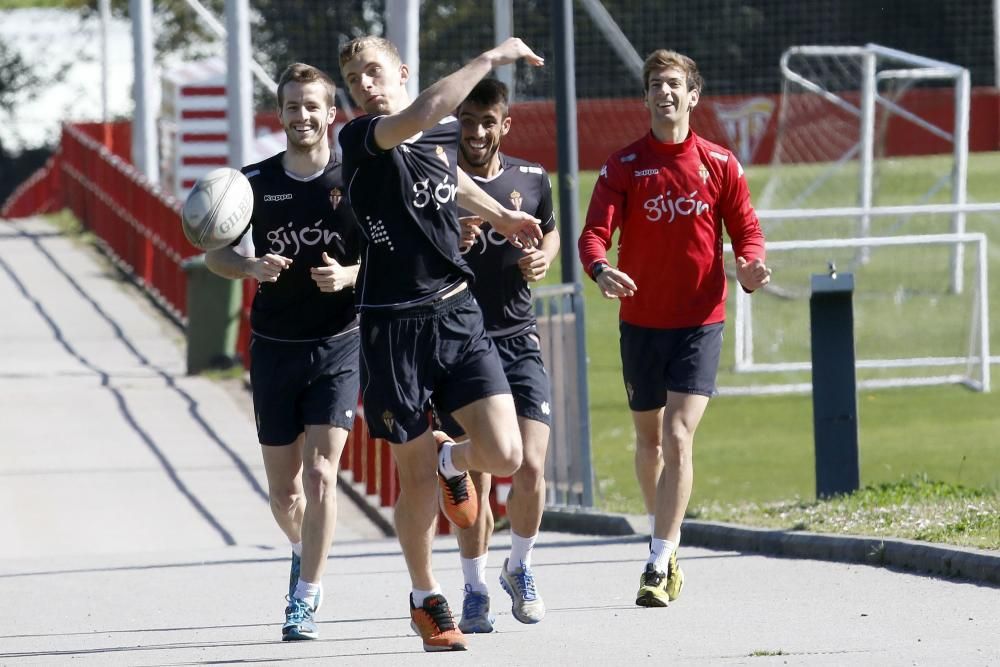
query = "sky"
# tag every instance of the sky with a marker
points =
(49, 40)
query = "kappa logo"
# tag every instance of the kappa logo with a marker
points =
(647, 172)
(604, 171)
(277, 197)
(336, 195)
(516, 200)
(545, 408)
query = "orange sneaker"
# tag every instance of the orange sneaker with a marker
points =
(457, 495)
(436, 626)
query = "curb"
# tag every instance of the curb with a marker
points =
(977, 565)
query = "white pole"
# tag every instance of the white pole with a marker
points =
(960, 174)
(996, 43)
(144, 147)
(402, 19)
(867, 174)
(503, 29)
(105, 9)
(239, 89)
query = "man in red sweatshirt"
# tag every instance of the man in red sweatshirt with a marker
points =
(669, 195)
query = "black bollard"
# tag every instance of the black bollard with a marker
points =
(835, 394)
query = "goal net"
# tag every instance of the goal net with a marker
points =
(851, 123)
(910, 328)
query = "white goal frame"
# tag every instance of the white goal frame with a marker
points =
(910, 67)
(977, 361)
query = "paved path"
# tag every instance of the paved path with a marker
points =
(135, 531)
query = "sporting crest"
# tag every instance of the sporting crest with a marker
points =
(745, 124)
(336, 196)
(439, 151)
(516, 199)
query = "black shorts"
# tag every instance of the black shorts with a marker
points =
(655, 361)
(521, 358)
(410, 356)
(303, 383)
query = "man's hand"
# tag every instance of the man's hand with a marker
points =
(615, 284)
(534, 265)
(511, 51)
(471, 225)
(752, 275)
(332, 277)
(520, 228)
(266, 269)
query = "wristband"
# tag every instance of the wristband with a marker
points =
(599, 268)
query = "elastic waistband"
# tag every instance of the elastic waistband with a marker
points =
(443, 301)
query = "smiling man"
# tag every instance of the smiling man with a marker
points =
(503, 274)
(304, 344)
(669, 195)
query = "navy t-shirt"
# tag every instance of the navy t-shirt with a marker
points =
(404, 199)
(500, 289)
(300, 220)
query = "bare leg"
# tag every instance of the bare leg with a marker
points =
(474, 541)
(648, 453)
(491, 425)
(321, 458)
(527, 496)
(283, 467)
(680, 421)
(417, 506)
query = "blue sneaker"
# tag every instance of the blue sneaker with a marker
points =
(293, 576)
(476, 616)
(299, 623)
(527, 605)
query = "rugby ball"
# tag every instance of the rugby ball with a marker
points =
(217, 209)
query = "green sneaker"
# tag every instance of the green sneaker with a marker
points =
(658, 589)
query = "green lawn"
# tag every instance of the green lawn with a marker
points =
(760, 448)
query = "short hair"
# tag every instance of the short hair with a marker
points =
(359, 44)
(664, 58)
(302, 73)
(489, 92)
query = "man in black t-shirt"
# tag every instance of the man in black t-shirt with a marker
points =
(304, 345)
(503, 273)
(422, 335)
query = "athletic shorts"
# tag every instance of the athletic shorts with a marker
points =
(410, 356)
(303, 383)
(655, 361)
(521, 358)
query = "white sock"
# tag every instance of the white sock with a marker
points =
(659, 553)
(418, 596)
(308, 591)
(297, 549)
(520, 551)
(445, 464)
(474, 570)
(652, 522)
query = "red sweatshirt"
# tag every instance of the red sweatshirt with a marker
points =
(669, 202)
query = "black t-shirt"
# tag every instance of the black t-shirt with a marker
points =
(404, 200)
(300, 220)
(500, 289)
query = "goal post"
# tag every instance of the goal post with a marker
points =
(842, 111)
(910, 329)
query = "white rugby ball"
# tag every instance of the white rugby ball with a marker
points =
(217, 209)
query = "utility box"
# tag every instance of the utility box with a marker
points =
(213, 317)
(834, 384)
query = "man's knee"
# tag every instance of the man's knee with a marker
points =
(285, 499)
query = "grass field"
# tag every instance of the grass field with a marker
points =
(760, 449)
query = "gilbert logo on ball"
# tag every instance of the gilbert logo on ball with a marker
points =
(217, 209)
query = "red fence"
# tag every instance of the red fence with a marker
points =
(139, 227)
